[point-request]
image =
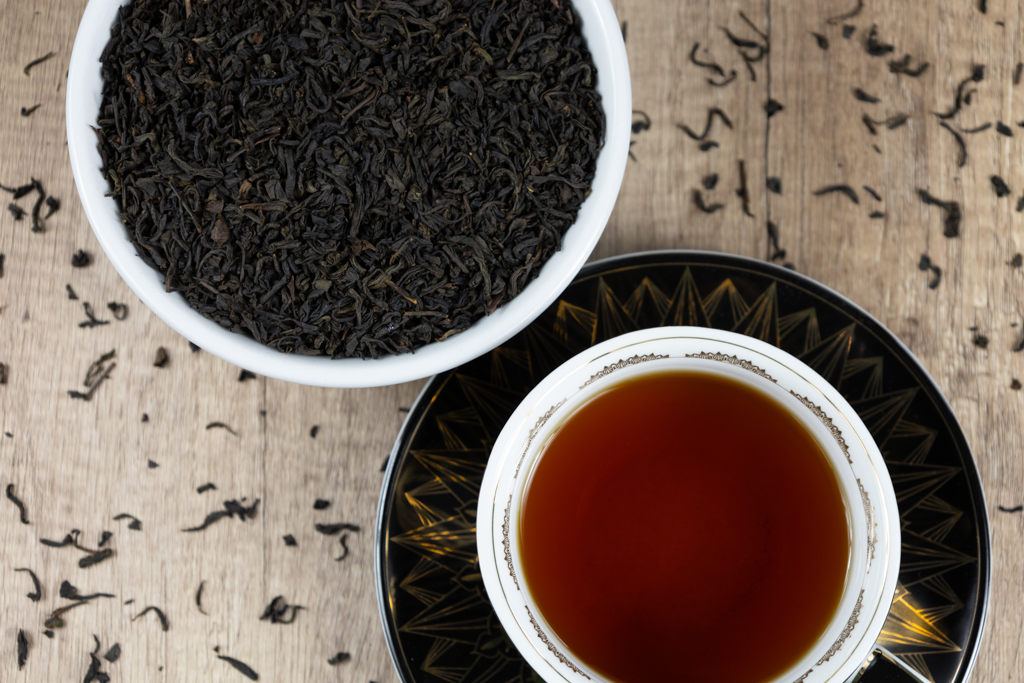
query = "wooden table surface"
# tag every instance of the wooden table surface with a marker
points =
(77, 464)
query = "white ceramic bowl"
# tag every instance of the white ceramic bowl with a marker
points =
(867, 490)
(604, 39)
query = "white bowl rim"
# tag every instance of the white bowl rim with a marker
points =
(528, 411)
(604, 37)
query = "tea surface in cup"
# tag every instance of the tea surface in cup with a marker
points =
(684, 526)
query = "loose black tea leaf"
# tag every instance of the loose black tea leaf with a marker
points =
(876, 49)
(344, 547)
(3, 375)
(96, 369)
(37, 220)
(245, 375)
(845, 189)
(903, 67)
(71, 293)
(145, 417)
(980, 129)
(48, 633)
(1003, 129)
(52, 206)
(80, 259)
(643, 124)
(206, 487)
(892, 123)
(983, 6)
(120, 311)
(707, 65)
(37, 62)
(744, 46)
(221, 425)
(1011, 510)
(773, 108)
(243, 512)
(936, 276)
(698, 200)
(211, 518)
(161, 358)
(159, 613)
(128, 602)
(314, 430)
(69, 592)
(100, 556)
(10, 492)
(864, 97)
(743, 193)
(870, 123)
(980, 340)
(962, 159)
(193, 347)
(876, 214)
(1017, 261)
(22, 649)
(405, 186)
(1000, 186)
(70, 539)
(2, 257)
(113, 654)
(290, 541)
(339, 658)
(1015, 384)
(199, 597)
(712, 113)
(848, 30)
(705, 146)
(773, 243)
(37, 594)
(134, 525)
(874, 194)
(1017, 72)
(94, 673)
(56, 620)
(822, 40)
(20, 191)
(277, 611)
(153, 464)
(231, 508)
(321, 504)
(241, 667)
(710, 181)
(625, 25)
(977, 76)
(92, 320)
(28, 111)
(838, 19)
(104, 537)
(925, 263)
(334, 529)
(952, 210)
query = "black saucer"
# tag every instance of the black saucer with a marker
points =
(439, 624)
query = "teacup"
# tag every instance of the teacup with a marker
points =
(866, 489)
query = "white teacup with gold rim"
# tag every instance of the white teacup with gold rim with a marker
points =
(627, 559)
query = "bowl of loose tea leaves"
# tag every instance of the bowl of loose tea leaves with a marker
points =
(348, 193)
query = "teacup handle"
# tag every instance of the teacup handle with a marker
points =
(883, 666)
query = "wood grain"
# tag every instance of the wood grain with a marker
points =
(77, 464)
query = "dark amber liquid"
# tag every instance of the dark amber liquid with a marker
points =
(685, 527)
